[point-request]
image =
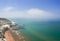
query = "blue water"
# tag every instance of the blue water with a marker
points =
(40, 31)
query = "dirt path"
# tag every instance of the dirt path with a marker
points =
(8, 36)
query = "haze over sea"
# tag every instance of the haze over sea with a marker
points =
(40, 30)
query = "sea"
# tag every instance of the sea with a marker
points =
(40, 30)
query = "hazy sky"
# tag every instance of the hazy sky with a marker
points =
(30, 9)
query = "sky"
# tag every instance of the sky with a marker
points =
(30, 9)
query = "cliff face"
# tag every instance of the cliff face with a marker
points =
(8, 36)
(8, 33)
(11, 35)
(3, 29)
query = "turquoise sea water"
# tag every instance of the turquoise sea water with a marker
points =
(41, 31)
